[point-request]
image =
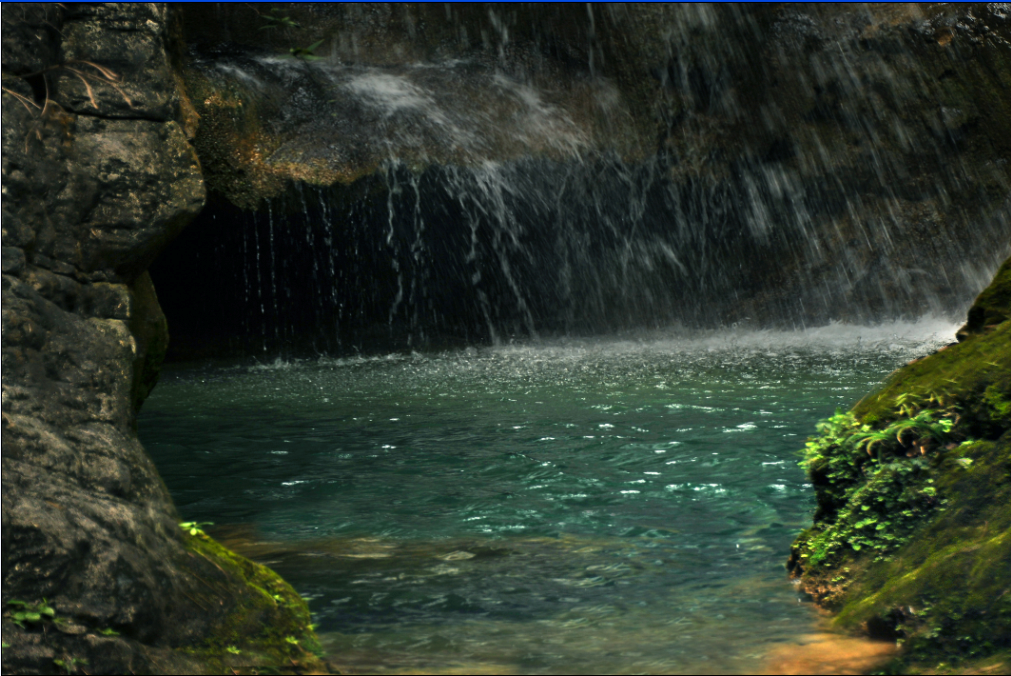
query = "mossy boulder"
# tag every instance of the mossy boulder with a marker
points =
(993, 306)
(268, 625)
(237, 617)
(915, 543)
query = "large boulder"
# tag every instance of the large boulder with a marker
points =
(97, 177)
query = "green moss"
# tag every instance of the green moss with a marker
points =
(915, 543)
(948, 591)
(960, 377)
(267, 630)
(992, 307)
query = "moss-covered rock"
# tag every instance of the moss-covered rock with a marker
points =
(915, 543)
(268, 624)
(947, 592)
(993, 306)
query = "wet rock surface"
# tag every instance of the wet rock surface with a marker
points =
(702, 165)
(97, 177)
(992, 307)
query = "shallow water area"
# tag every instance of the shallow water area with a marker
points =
(606, 505)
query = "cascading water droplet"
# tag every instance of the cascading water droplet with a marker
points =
(259, 284)
(393, 188)
(273, 270)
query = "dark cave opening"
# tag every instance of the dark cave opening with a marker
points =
(454, 256)
(447, 257)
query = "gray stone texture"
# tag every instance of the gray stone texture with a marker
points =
(97, 177)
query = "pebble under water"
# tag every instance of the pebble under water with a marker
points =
(606, 505)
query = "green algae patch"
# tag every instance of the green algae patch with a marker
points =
(911, 539)
(267, 629)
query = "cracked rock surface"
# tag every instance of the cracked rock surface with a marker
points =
(97, 177)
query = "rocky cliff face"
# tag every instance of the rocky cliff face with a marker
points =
(97, 176)
(594, 170)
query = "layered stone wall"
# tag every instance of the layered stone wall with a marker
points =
(97, 176)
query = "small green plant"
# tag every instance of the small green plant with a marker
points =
(70, 664)
(195, 528)
(233, 650)
(923, 425)
(31, 613)
(907, 403)
(291, 639)
(868, 439)
(307, 53)
(108, 632)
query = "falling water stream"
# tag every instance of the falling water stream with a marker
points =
(490, 207)
(619, 504)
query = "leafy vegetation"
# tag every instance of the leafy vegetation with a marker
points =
(275, 20)
(873, 501)
(307, 53)
(32, 613)
(70, 664)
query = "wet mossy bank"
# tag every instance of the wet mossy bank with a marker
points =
(912, 534)
(267, 630)
(236, 617)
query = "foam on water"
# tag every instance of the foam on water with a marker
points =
(900, 339)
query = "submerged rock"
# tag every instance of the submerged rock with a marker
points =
(916, 544)
(992, 308)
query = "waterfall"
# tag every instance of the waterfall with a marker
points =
(799, 177)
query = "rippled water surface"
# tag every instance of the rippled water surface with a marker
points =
(591, 506)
